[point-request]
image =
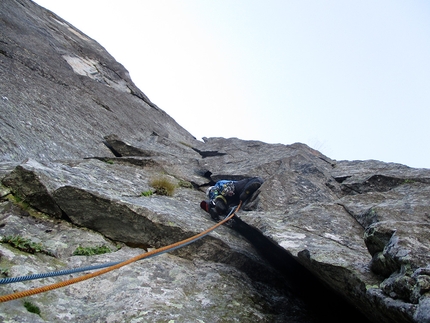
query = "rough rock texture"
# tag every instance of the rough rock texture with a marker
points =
(81, 94)
(323, 240)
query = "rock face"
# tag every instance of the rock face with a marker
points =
(81, 94)
(80, 144)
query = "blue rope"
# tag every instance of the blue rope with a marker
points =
(11, 280)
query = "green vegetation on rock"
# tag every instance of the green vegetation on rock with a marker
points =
(25, 245)
(186, 184)
(91, 251)
(32, 308)
(147, 193)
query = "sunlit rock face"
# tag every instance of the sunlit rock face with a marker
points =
(80, 145)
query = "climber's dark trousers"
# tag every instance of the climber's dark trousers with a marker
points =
(246, 187)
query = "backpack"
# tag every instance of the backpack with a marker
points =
(224, 188)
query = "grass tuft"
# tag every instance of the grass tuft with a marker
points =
(163, 186)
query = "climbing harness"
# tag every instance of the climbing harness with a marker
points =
(221, 188)
(111, 266)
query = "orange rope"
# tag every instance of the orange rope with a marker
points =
(10, 297)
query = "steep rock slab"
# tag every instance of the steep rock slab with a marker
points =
(62, 93)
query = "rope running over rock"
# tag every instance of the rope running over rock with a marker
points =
(156, 252)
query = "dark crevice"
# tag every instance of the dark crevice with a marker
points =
(381, 183)
(139, 94)
(375, 183)
(349, 190)
(64, 215)
(324, 303)
(352, 215)
(4, 53)
(341, 179)
(143, 246)
(208, 153)
(140, 162)
(117, 154)
(328, 162)
(104, 106)
(121, 149)
(207, 174)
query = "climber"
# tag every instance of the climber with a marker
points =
(225, 194)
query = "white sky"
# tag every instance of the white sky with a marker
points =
(349, 78)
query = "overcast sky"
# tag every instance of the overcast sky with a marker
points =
(348, 78)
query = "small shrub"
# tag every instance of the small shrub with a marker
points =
(147, 193)
(32, 308)
(163, 186)
(91, 251)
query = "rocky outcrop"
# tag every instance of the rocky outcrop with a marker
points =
(369, 220)
(58, 85)
(324, 239)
